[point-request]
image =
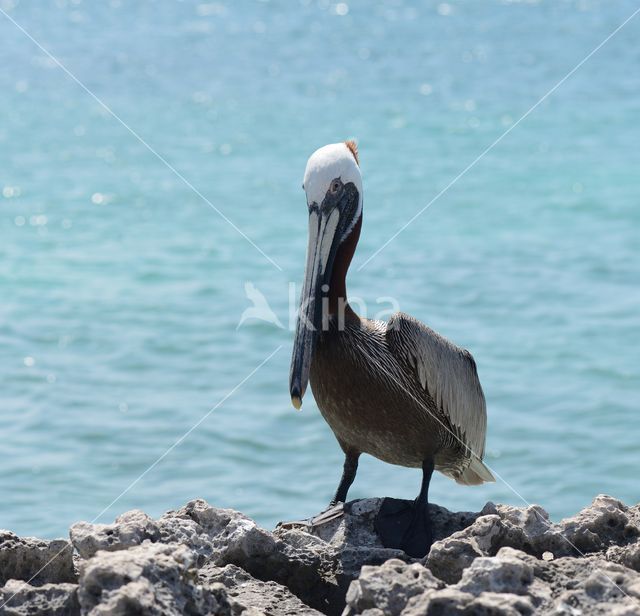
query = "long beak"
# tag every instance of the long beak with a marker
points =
(321, 251)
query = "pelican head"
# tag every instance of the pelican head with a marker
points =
(333, 188)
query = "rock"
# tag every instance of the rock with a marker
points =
(446, 602)
(234, 537)
(506, 573)
(320, 563)
(246, 592)
(223, 535)
(513, 582)
(389, 587)
(594, 586)
(628, 555)
(200, 559)
(147, 579)
(316, 566)
(603, 523)
(491, 585)
(18, 598)
(606, 522)
(129, 529)
(452, 602)
(500, 604)
(450, 556)
(294, 559)
(35, 560)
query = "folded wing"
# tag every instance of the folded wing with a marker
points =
(447, 374)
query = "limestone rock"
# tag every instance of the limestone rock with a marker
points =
(500, 604)
(389, 588)
(247, 593)
(594, 586)
(21, 599)
(606, 523)
(505, 573)
(147, 579)
(200, 559)
(129, 529)
(513, 583)
(628, 555)
(320, 562)
(35, 560)
(450, 556)
(223, 535)
(446, 602)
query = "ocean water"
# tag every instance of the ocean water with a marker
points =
(124, 262)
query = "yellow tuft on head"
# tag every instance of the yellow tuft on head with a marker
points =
(353, 148)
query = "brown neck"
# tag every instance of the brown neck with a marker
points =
(338, 284)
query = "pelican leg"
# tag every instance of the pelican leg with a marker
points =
(418, 537)
(348, 475)
(406, 525)
(335, 508)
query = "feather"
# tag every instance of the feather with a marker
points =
(475, 474)
(449, 377)
(353, 148)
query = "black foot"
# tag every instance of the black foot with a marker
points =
(332, 512)
(404, 525)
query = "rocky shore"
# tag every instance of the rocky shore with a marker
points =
(201, 559)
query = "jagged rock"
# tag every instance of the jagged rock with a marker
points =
(628, 555)
(129, 529)
(446, 602)
(316, 566)
(294, 559)
(603, 523)
(594, 586)
(513, 583)
(18, 598)
(389, 588)
(453, 602)
(500, 604)
(492, 585)
(199, 559)
(322, 561)
(147, 579)
(35, 560)
(246, 592)
(606, 522)
(223, 535)
(233, 537)
(505, 573)
(450, 556)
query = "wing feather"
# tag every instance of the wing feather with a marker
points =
(449, 376)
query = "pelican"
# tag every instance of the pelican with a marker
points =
(397, 390)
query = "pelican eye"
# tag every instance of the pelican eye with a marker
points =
(335, 186)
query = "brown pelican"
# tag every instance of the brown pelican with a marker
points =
(398, 390)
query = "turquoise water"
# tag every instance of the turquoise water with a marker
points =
(121, 289)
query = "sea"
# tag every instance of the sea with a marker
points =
(153, 232)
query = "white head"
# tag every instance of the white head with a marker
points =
(333, 186)
(336, 161)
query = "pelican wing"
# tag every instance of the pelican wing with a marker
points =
(449, 377)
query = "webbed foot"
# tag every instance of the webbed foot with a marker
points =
(403, 525)
(332, 512)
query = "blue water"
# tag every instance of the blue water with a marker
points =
(121, 289)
